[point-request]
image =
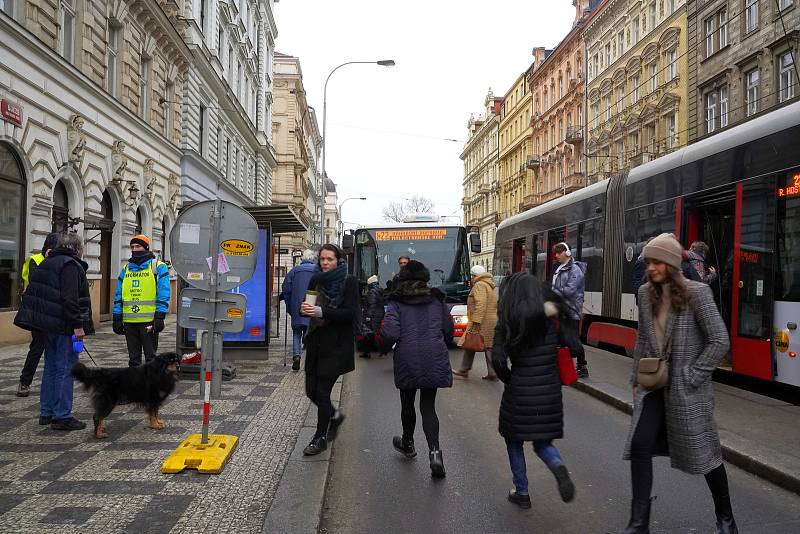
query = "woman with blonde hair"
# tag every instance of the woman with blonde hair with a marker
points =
(678, 323)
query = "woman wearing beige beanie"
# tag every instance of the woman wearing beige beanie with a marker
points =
(679, 322)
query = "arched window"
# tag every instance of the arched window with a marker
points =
(139, 218)
(164, 249)
(60, 208)
(12, 227)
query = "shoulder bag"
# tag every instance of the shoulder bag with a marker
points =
(654, 372)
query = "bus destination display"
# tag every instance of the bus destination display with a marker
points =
(419, 234)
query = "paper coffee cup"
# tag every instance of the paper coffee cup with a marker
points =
(311, 298)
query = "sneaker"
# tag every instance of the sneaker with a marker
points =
(23, 390)
(403, 446)
(523, 501)
(316, 446)
(437, 463)
(67, 424)
(462, 374)
(565, 486)
(583, 371)
(296, 363)
(45, 420)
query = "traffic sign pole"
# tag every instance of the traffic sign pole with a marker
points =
(209, 354)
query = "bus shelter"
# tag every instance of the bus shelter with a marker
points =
(262, 317)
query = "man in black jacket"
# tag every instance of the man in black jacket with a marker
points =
(38, 339)
(57, 304)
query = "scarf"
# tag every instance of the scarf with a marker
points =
(331, 284)
(140, 257)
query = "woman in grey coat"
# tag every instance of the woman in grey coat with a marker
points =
(678, 320)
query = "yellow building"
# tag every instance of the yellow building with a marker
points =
(637, 95)
(516, 136)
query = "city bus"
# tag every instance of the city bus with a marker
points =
(738, 191)
(443, 248)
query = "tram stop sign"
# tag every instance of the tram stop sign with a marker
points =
(192, 252)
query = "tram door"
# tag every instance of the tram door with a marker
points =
(787, 280)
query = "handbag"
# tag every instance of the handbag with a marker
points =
(473, 341)
(654, 372)
(566, 369)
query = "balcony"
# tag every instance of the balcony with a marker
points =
(574, 135)
(530, 201)
(574, 181)
(532, 162)
(640, 158)
(484, 189)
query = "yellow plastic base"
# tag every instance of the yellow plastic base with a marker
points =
(208, 458)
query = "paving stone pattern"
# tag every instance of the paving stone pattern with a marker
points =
(63, 482)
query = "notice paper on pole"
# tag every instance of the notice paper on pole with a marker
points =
(222, 263)
(190, 234)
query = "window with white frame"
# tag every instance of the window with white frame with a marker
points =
(783, 4)
(652, 10)
(112, 58)
(672, 131)
(7, 7)
(723, 106)
(672, 64)
(653, 76)
(144, 86)
(751, 91)
(751, 15)
(608, 106)
(711, 112)
(169, 111)
(722, 23)
(635, 89)
(786, 77)
(67, 30)
(621, 43)
(595, 113)
(620, 97)
(635, 30)
(711, 28)
(669, 5)
(201, 130)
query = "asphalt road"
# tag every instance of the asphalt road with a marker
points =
(373, 489)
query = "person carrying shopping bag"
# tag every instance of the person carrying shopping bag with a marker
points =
(482, 313)
(531, 409)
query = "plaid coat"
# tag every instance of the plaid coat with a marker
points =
(699, 341)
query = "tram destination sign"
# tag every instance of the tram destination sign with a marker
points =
(790, 190)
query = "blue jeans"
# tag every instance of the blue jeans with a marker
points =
(297, 340)
(516, 457)
(55, 399)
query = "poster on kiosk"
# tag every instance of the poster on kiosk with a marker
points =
(257, 290)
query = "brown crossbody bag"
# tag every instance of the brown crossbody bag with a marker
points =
(654, 372)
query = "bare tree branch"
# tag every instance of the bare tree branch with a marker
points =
(419, 204)
(394, 212)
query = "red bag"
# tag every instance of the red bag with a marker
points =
(566, 369)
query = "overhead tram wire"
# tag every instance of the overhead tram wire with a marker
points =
(392, 132)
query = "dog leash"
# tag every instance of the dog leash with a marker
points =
(86, 350)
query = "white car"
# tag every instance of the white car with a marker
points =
(460, 320)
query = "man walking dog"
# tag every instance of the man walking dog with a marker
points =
(141, 301)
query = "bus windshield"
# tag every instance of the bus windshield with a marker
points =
(443, 251)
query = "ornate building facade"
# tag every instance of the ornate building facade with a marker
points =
(481, 177)
(515, 142)
(557, 83)
(90, 133)
(227, 133)
(333, 222)
(298, 144)
(742, 60)
(637, 83)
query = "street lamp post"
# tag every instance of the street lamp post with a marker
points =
(341, 222)
(382, 63)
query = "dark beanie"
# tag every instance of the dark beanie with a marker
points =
(414, 270)
(50, 242)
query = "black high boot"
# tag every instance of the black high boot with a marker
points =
(640, 518)
(437, 464)
(725, 522)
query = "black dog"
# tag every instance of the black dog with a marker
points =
(148, 385)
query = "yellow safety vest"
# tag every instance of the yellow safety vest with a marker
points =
(139, 291)
(26, 267)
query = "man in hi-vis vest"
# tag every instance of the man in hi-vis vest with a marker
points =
(38, 338)
(142, 301)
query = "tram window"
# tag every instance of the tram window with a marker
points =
(787, 279)
(591, 252)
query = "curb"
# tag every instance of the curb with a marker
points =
(297, 506)
(732, 455)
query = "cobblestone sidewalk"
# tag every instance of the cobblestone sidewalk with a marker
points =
(54, 481)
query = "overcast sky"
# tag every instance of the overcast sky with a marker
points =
(387, 126)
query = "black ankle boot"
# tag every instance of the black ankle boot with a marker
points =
(437, 464)
(725, 522)
(565, 486)
(640, 518)
(336, 421)
(404, 446)
(316, 446)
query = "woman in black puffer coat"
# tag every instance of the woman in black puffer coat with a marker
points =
(531, 408)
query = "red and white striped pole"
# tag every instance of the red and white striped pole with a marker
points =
(206, 407)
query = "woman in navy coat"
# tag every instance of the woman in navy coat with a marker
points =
(419, 323)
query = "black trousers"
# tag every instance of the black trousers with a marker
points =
(318, 390)
(427, 408)
(572, 339)
(139, 341)
(651, 428)
(35, 351)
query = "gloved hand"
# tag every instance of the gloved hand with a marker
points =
(118, 326)
(158, 322)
